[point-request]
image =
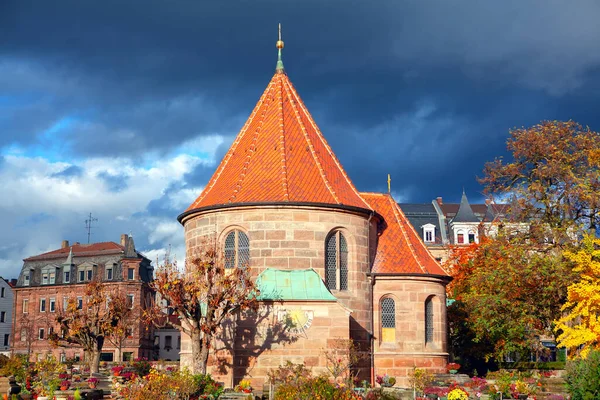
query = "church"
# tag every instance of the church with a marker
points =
(338, 263)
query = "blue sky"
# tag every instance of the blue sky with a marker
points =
(124, 108)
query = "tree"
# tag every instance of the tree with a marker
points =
(89, 326)
(203, 295)
(554, 179)
(580, 325)
(509, 293)
(123, 327)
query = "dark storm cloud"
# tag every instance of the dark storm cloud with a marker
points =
(425, 91)
(114, 183)
(72, 171)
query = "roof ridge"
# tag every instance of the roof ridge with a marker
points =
(326, 145)
(408, 241)
(311, 146)
(282, 144)
(236, 142)
(252, 151)
(410, 226)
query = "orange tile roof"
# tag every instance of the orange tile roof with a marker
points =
(399, 247)
(280, 155)
(80, 250)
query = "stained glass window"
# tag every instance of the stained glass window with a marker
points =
(388, 313)
(237, 250)
(428, 321)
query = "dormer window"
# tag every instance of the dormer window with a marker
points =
(49, 275)
(27, 278)
(85, 272)
(428, 233)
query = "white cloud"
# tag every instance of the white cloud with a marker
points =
(39, 208)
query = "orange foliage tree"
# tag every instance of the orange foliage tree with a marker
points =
(203, 295)
(554, 179)
(90, 325)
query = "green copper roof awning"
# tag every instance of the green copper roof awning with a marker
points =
(305, 284)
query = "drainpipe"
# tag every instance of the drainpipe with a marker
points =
(371, 333)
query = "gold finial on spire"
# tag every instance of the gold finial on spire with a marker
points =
(279, 45)
(389, 184)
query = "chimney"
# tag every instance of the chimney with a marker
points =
(65, 244)
(124, 239)
(439, 200)
(13, 282)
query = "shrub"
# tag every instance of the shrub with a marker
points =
(583, 377)
(141, 366)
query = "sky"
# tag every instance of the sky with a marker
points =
(124, 108)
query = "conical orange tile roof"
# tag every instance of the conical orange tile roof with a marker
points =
(279, 156)
(399, 248)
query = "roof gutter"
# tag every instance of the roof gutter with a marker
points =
(401, 274)
(353, 209)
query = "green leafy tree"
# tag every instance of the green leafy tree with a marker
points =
(508, 293)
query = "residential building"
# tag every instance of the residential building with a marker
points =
(6, 309)
(47, 281)
(331, 262)
(442, 224)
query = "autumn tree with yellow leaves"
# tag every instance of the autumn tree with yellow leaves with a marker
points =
(580, 325)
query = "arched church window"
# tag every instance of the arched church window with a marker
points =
(388, 320)
(429, 320)
(336, 262)
(237, 250)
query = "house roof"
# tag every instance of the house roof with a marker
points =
(465, 212)
(399, 249)
(80, 250)
(420, 214)
(279, 156)
(303, 284)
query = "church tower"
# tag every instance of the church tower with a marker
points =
(281, 203)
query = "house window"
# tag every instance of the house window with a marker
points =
(52, 305)
(23, 335)
(6, 338)
(460, 238)
(429, 320)
(2, 292)
(109, 274)
(52, 279)
(65, 303)
(388, 320)
(336, 262)
(428, 233)
(129, 332)
(130, 274)
(3, 316)
(168, 342)
(471, 237)
(25, 306)
(44, 278)
(86, 273)
(41, 334)
(42, 305)
(27, 278)
(79, 303)
(130, 300)
(237, 250)
(67, 276)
